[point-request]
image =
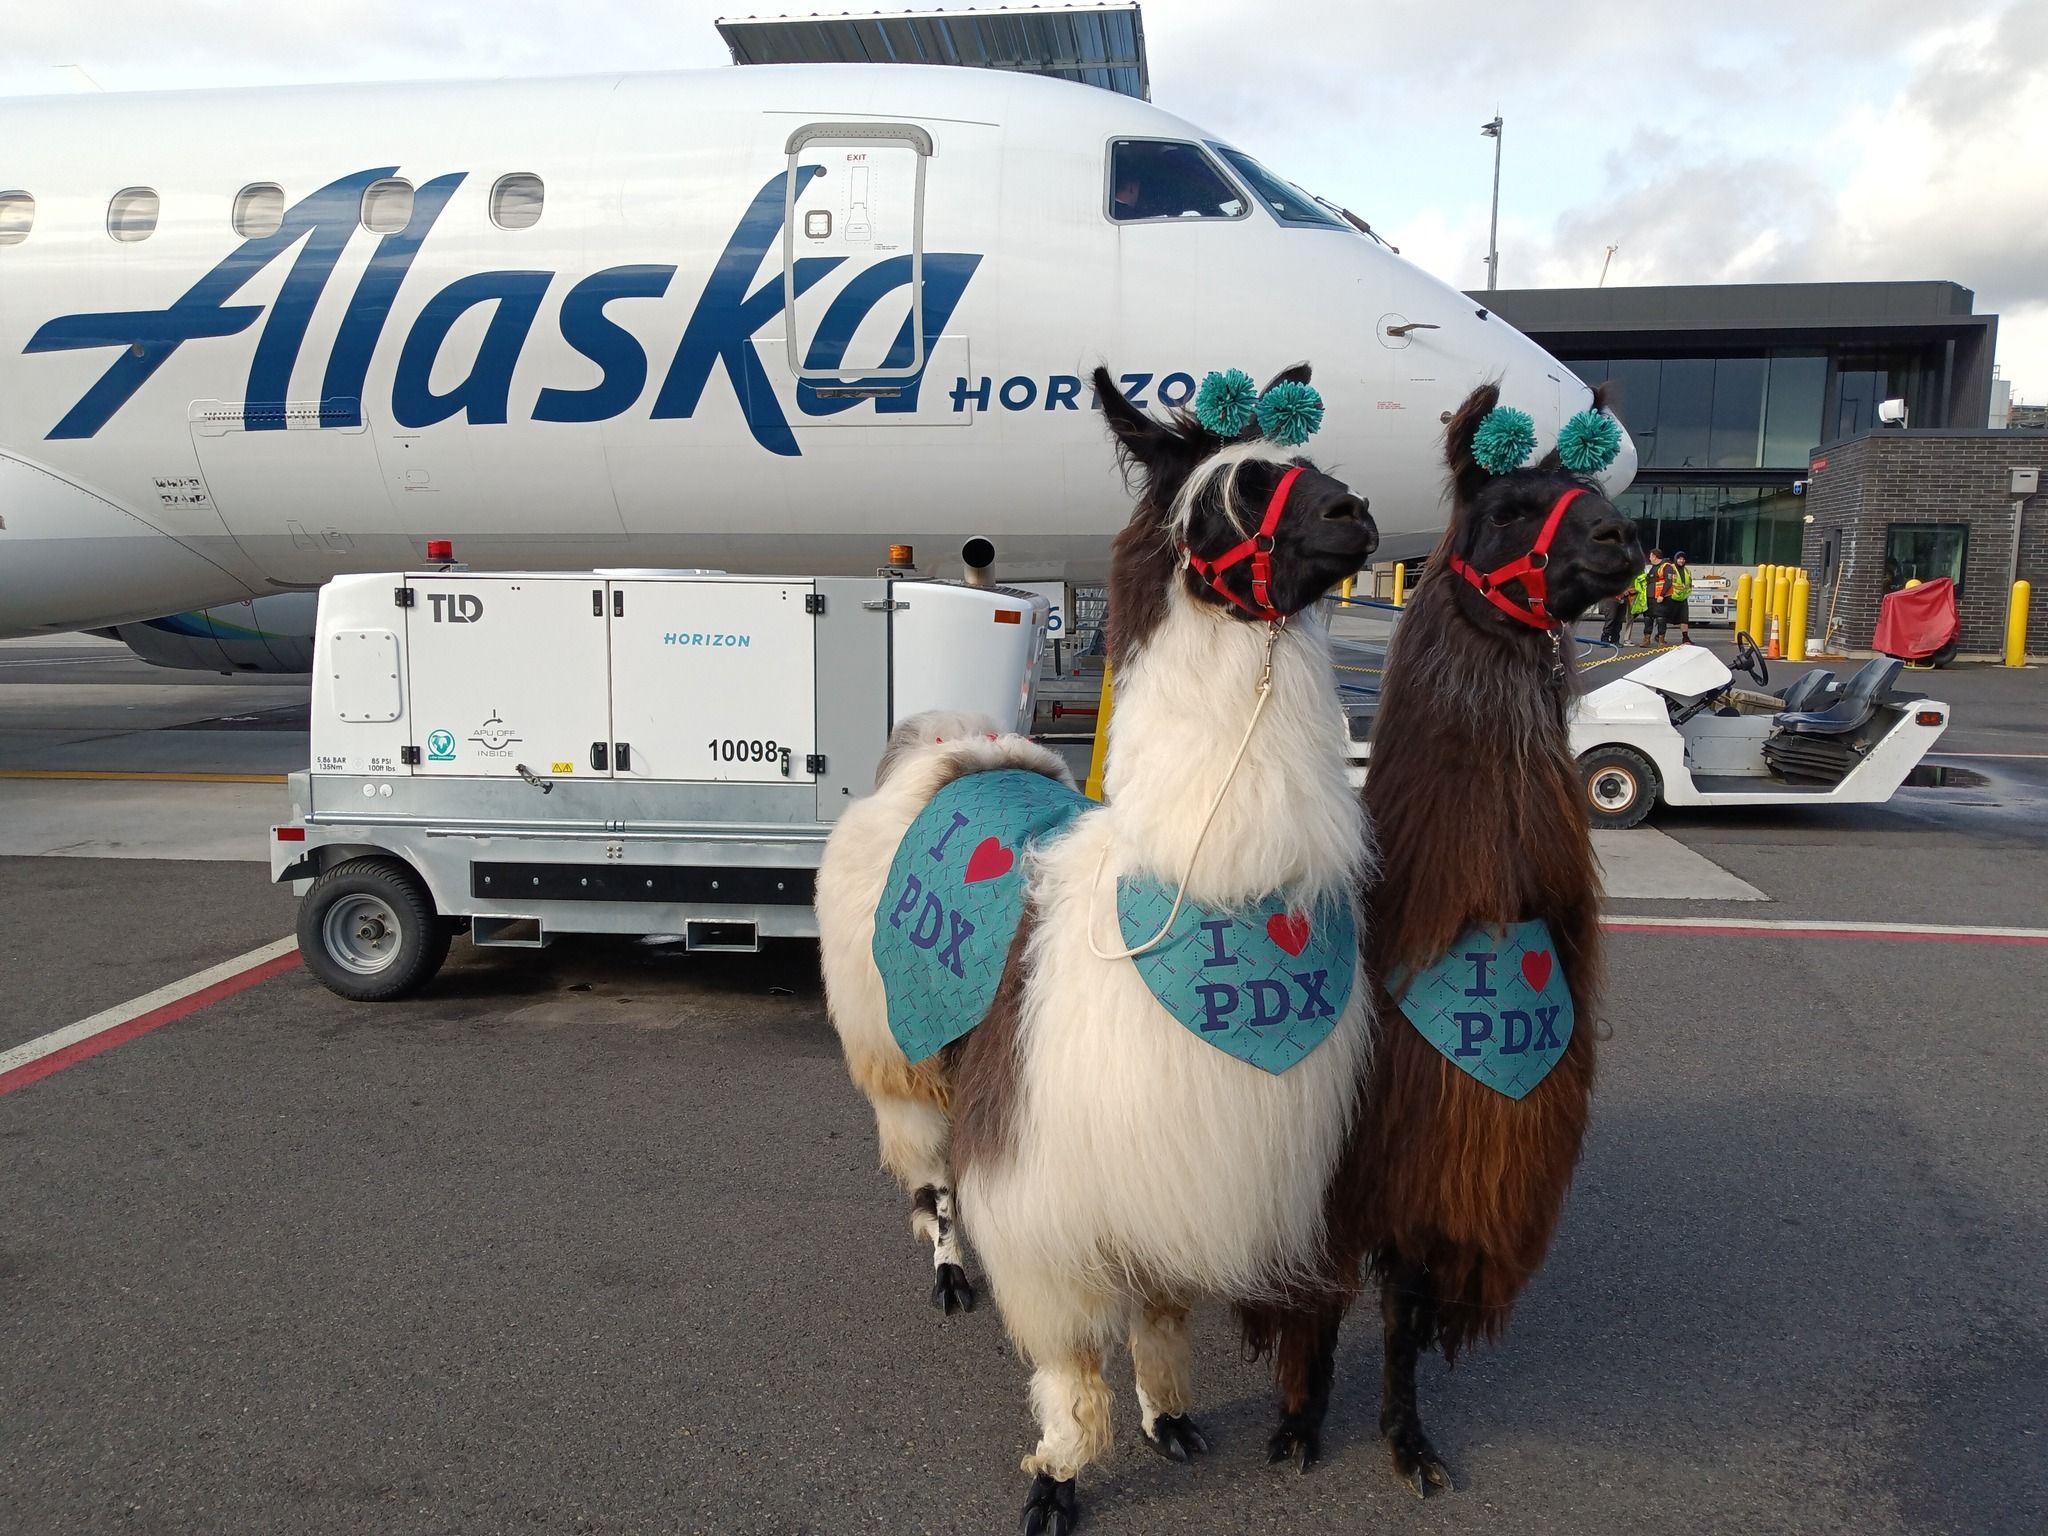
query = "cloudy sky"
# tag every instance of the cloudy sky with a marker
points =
(1753, 140)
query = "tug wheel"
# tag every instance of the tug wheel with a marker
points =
(368, 930)
(1621, 786)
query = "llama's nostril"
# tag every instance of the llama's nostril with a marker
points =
(1347, 509)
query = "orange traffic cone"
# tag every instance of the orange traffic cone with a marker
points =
(1771, 643)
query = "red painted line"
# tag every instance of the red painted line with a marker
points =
(1821, 931)
(143, 1023)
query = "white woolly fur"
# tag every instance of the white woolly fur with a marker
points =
(1148, 1161)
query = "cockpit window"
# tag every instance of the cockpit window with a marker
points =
(1159, 179)
(1283, 199)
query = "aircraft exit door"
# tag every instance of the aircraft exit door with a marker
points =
(853, 210)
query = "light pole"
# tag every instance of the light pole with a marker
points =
(1492, 131)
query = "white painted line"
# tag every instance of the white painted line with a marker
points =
(2010, 757)
(140, 1014)
(1824, 928)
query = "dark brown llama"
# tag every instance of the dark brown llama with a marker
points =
(1450, 1189)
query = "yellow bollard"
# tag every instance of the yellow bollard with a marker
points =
(1344, 589)
(1795, 631)
(2016, 624)
(1745, 589)
(1781, 605)
(1093, 788)
(1400, 583)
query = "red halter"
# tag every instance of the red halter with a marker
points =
(1528, 570)
(1260, 548)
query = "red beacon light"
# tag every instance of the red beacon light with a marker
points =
(440, 551)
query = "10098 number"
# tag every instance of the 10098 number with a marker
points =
(725, 749)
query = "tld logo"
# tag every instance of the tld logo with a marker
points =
(456, 607)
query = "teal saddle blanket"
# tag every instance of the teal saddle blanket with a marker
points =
(1497, 1006)
(1264, 983)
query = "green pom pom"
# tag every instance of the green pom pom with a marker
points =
(1504, 441)
(1589, 442)
(1226, 401)
(1290, 413)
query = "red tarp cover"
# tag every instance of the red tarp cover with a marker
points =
(1918, 621)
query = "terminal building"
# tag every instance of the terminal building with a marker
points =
(1729, 389)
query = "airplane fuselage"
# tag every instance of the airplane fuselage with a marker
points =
(765, 319)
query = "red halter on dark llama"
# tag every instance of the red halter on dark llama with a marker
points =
(1528, 571)
(1504, 441)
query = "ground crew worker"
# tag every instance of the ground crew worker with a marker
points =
(1638, 606)
(1657, 578)
(1679, 604)
(1614, 615)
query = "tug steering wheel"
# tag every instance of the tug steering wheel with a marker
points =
(1751, 660)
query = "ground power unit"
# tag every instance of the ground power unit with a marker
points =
(629, 752)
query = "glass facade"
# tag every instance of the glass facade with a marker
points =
(1718, 524)
(1761, 411)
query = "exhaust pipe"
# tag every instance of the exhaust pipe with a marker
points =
(978, 555)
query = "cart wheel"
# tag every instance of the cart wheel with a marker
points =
(1944, 656)
(1621, 786)
(368, 930)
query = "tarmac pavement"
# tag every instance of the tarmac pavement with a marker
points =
(593, 1240)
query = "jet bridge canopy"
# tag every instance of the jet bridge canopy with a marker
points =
(1102, 45)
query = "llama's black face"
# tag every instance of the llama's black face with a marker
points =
(1325, 532)
(1497, 520)
(1203, 496)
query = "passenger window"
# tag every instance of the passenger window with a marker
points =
(516, 200)
(131, 215)
(1153, 179)
(17, 217)
(259, 210)
(387, 205)
(1283, 199)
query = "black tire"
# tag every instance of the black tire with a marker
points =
(1944, 656)
(368, 931)
(1621, 786)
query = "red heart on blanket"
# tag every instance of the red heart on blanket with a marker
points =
(1536, 968)
(991, 861)
(1289, 930)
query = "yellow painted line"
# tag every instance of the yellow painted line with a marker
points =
(152, 778)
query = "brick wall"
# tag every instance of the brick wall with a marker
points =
(1863, 484)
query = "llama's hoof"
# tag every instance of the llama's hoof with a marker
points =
(951, 1290)
(1296, 1440)
(1418, 1466)
(1051, 1509)
(1174, 1436)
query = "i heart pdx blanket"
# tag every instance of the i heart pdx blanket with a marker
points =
(1264, 984)
(1497, 1006)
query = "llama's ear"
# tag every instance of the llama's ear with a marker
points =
(1147, 444)
(1605, 396)
(1298, 374)
(1467, 475)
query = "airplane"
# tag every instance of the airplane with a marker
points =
(760, 319)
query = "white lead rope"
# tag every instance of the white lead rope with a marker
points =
(1194, 853)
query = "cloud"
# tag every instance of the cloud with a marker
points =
(1938, 180)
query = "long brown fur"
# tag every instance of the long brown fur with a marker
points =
(1449, 1193)
(1470, 832)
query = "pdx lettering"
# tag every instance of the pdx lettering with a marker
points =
(1272, 1002)
(720, 334)
(935, 918)
(1520, 1032)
